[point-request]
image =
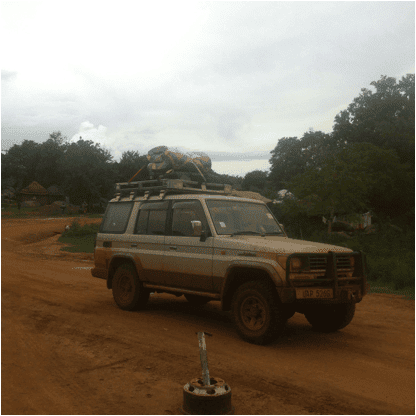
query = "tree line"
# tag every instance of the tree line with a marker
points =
(366, 162)
(82, 169)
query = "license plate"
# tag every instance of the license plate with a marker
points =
(314, 294)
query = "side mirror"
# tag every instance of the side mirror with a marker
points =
(197, 228)
(198, 231)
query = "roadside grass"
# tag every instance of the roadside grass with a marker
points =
(84, 244)
(12, 211)
(388, 288)
(80, 238)
(390, 258)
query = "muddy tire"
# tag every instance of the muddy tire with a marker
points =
(330, 318)
(128, 291)
(257, 313)
(196, 300)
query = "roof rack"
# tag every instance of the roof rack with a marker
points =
(164, 186)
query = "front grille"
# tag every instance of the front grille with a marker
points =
(320, 262)
(343, 261)
(317, 263)
(319, 273)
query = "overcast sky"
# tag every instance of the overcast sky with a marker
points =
(225, 78)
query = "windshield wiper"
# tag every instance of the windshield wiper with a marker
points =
(247, 232)
(276, 233)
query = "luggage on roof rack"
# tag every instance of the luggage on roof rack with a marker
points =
(164, 186)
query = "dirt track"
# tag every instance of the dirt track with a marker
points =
(67, 348)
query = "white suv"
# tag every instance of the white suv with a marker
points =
(185, 238)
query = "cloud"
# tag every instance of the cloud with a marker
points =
(8, 75)
(240, 156)
(240, 168)
(229, 77)
(87, 131)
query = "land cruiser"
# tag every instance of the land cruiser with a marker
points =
(187, 238)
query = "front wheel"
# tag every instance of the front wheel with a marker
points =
(330, 318)
(128, 291)
(257, 312)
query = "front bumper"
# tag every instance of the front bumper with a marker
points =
(346, 287)
(353, 294)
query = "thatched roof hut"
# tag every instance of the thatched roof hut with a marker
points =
(35, 192)
(34, 189)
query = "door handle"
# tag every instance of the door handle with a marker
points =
(134, 245)
(173, 248)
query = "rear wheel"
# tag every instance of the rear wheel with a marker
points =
(128, 291)
(330, 318)
(196, 300)
(257, 312)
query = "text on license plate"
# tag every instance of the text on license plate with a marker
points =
(314, 293)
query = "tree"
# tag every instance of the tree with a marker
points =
(286, 161)
(234, 181)
(51, 153)
(30, 161)
(353, 180)
(255, 181)
(292, 156)
(130, 163)
(88, 172)
(57, 138)
(20, 164)
(384, 118)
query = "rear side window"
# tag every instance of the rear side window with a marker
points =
(116, 218)
(152, 218)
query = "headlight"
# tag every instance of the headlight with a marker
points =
(295, 264)
(298, 263)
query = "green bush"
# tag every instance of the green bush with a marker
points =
(390, 254)
(380, 269)
(79, 244)
(76, 230)
(80, 237)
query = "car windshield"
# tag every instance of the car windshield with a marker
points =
(237, 217)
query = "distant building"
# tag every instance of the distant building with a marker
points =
(34, 192)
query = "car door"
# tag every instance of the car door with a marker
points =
(188, 260)
(148, 240)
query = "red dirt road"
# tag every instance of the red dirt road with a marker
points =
(67, 348)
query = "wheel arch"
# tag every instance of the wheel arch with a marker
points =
(115, 262)
(238, 275)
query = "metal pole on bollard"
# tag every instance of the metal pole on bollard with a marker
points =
(204, 357)
(206, 395)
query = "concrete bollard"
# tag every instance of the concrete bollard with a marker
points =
(206, 395)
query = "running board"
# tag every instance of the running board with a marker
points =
(215, 296)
